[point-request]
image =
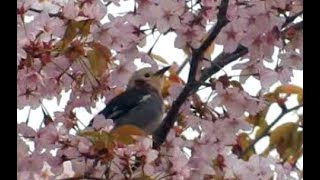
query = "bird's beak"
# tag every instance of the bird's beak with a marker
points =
(162, 71)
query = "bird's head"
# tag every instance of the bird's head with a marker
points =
(148, 78)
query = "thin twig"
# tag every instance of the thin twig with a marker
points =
(183, 65)
(59, 14)
(266, 131)
(290, 19)
(154, 44)
(222, 60)
(28, 117)
(45, 112)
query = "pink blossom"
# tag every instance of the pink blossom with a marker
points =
(258, 48)
(84, 145)
(36, 161)
(81, 98)
(167, 14)
(285, 74)
(291, 59)
(283, 171)
(201, 161)
(253, 18)
(277, 4)
(267, 77)
(71, 10)
(46, 137)
(144, 10)
(248, 69)
(28, 99)
(147, 59)
(22, 150)
(78, 165)
(24, 4)
(233, 99)
(68, 153)
(179, 164)
(175, 90)
(100, 122)
(226, 129)
(261, 166)
(23, 175)
(37, 24)
(189, 36)
(229, 37)
(25, 130)
(33, 80)
(22, 40)
(50, 88)
(192, 122)
(43, 72)
(95, 10)
(48, 6)
(120, 35)
(210, 9)
(65, 119)
(257, 167)
(120, 76)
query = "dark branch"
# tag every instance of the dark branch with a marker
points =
(266, 131)
(219, 62)
(296, 26)
(59, 14)
(197, 53)
(222, 60)
(290, 19)
(192, 85)
(183, 65)
(154, 44)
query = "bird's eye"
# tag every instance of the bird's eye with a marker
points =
(147, 75)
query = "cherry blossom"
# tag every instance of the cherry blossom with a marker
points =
(54, 42)
(167, 14)
(71, 11)
(229, 37)
(235, 101)
(189, 36)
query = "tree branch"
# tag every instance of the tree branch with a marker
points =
(290, 19)
(197, 53)
(222, 60)
(59, 14)
(219, 62)
(182, 65)
(266, 131)
(192, 85)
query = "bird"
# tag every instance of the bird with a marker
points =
(141, 104)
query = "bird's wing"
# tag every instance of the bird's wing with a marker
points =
(123, 103)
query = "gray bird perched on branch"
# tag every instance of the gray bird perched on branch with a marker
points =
(141, 104)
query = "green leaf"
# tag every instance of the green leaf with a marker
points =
(291, 89)
(287, 140)
(236, 84)
(100, 139)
